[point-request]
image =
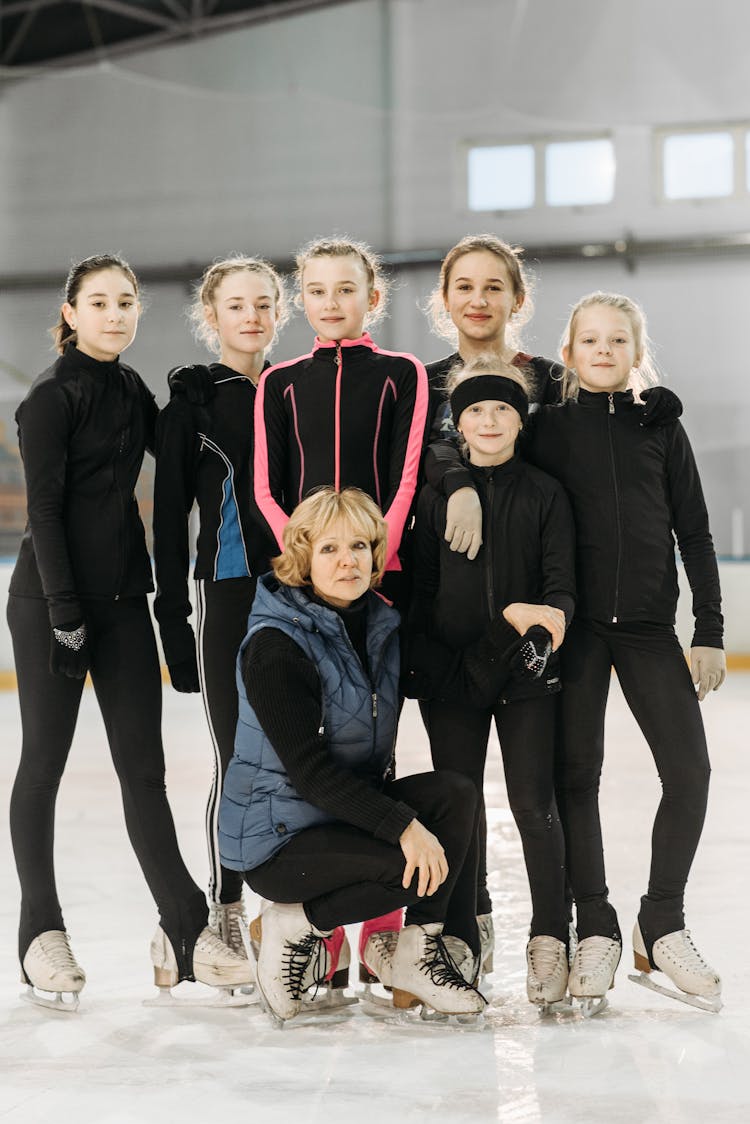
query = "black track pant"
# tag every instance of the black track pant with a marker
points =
(344, 875)
(658, 689)
(458, 740)
(126, 678)
(223, 609)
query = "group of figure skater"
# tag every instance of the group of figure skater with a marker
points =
(491, 535)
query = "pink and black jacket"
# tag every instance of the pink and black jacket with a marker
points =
(347, 414)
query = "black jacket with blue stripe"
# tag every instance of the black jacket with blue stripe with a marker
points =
(204, 454)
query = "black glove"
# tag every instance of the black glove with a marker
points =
(531, 658)
(660, 406)
(69, 651)
(184, 675)
(196, 383)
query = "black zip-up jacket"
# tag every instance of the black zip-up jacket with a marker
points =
(527, 555)
(633, 490)
(82, 431)
(205, 454)
(544, 379)
(347, 414)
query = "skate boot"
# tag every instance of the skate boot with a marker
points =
(592, 973)
(51, 972)
(547, 975)
(292, 958)
(228, 921)
(329, 992)
(677, 957)
(214, 964)
(424, 973)
(464, 959)
(486, 944)
(378, 938)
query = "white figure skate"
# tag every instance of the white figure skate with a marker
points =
(378, 938)
(51, 972)
(214, 963)
(592, 973)
(677, 957)
(320, 995)
(547, 975)
(486, 944)
(425, 975)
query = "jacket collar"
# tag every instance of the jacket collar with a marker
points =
(365, 340)
(600, 399)
(75, 358)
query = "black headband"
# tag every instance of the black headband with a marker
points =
(492, 388)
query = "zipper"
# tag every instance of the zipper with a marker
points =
(488, 556)
(118, 489)
(337, 421)
(618, 513)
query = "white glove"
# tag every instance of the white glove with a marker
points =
(463, 522)
(708, 667)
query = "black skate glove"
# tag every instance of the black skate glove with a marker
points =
(184, 675)
(531, 658)
(196, 383)
(660, 406)
(69, 651)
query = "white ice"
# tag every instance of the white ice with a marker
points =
(646, 1059)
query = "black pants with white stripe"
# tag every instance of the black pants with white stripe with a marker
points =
(223, 609)
(125, 674)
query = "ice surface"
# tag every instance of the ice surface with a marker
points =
(647, 1059)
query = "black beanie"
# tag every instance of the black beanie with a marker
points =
(488, 388)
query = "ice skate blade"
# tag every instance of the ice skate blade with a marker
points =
(590, 1005)
(711, 1005)
(564, 1006)
(374, 998)
(45, 999)
(244, 996)
(333, 999)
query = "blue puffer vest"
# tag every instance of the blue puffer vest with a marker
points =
(260, 811)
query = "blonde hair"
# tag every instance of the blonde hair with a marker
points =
(644, 375)
(314, 515)
(205, 294)
(62, 333)
(510, 256)
(345, 248)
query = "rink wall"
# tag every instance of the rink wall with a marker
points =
(735, 584)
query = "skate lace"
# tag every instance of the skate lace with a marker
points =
(595, 951)
(679, 946)
(296, 960)
(546, 956)
(383, 943)
(212, 945)
(441, 967)
(56, 948)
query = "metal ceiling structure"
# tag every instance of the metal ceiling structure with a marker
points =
(37, 35)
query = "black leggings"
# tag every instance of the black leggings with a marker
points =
(126, 678)
(223, 609)
(658, 689)
(458, 740)
(343, 874)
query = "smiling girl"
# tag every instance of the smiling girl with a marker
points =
(205, 455)
(78, 603)
(347, 414)
(633, 490)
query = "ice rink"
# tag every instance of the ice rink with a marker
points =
(646, 1059)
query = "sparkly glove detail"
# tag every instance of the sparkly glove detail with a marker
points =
(69, 652)
(531, 658)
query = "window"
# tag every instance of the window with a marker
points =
(579, 173)
(501, 178)
(569, 173)
(698, 165)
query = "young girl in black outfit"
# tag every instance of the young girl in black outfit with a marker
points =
(205, 455)
(522, 580)
(633, 491)
(78, 603)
